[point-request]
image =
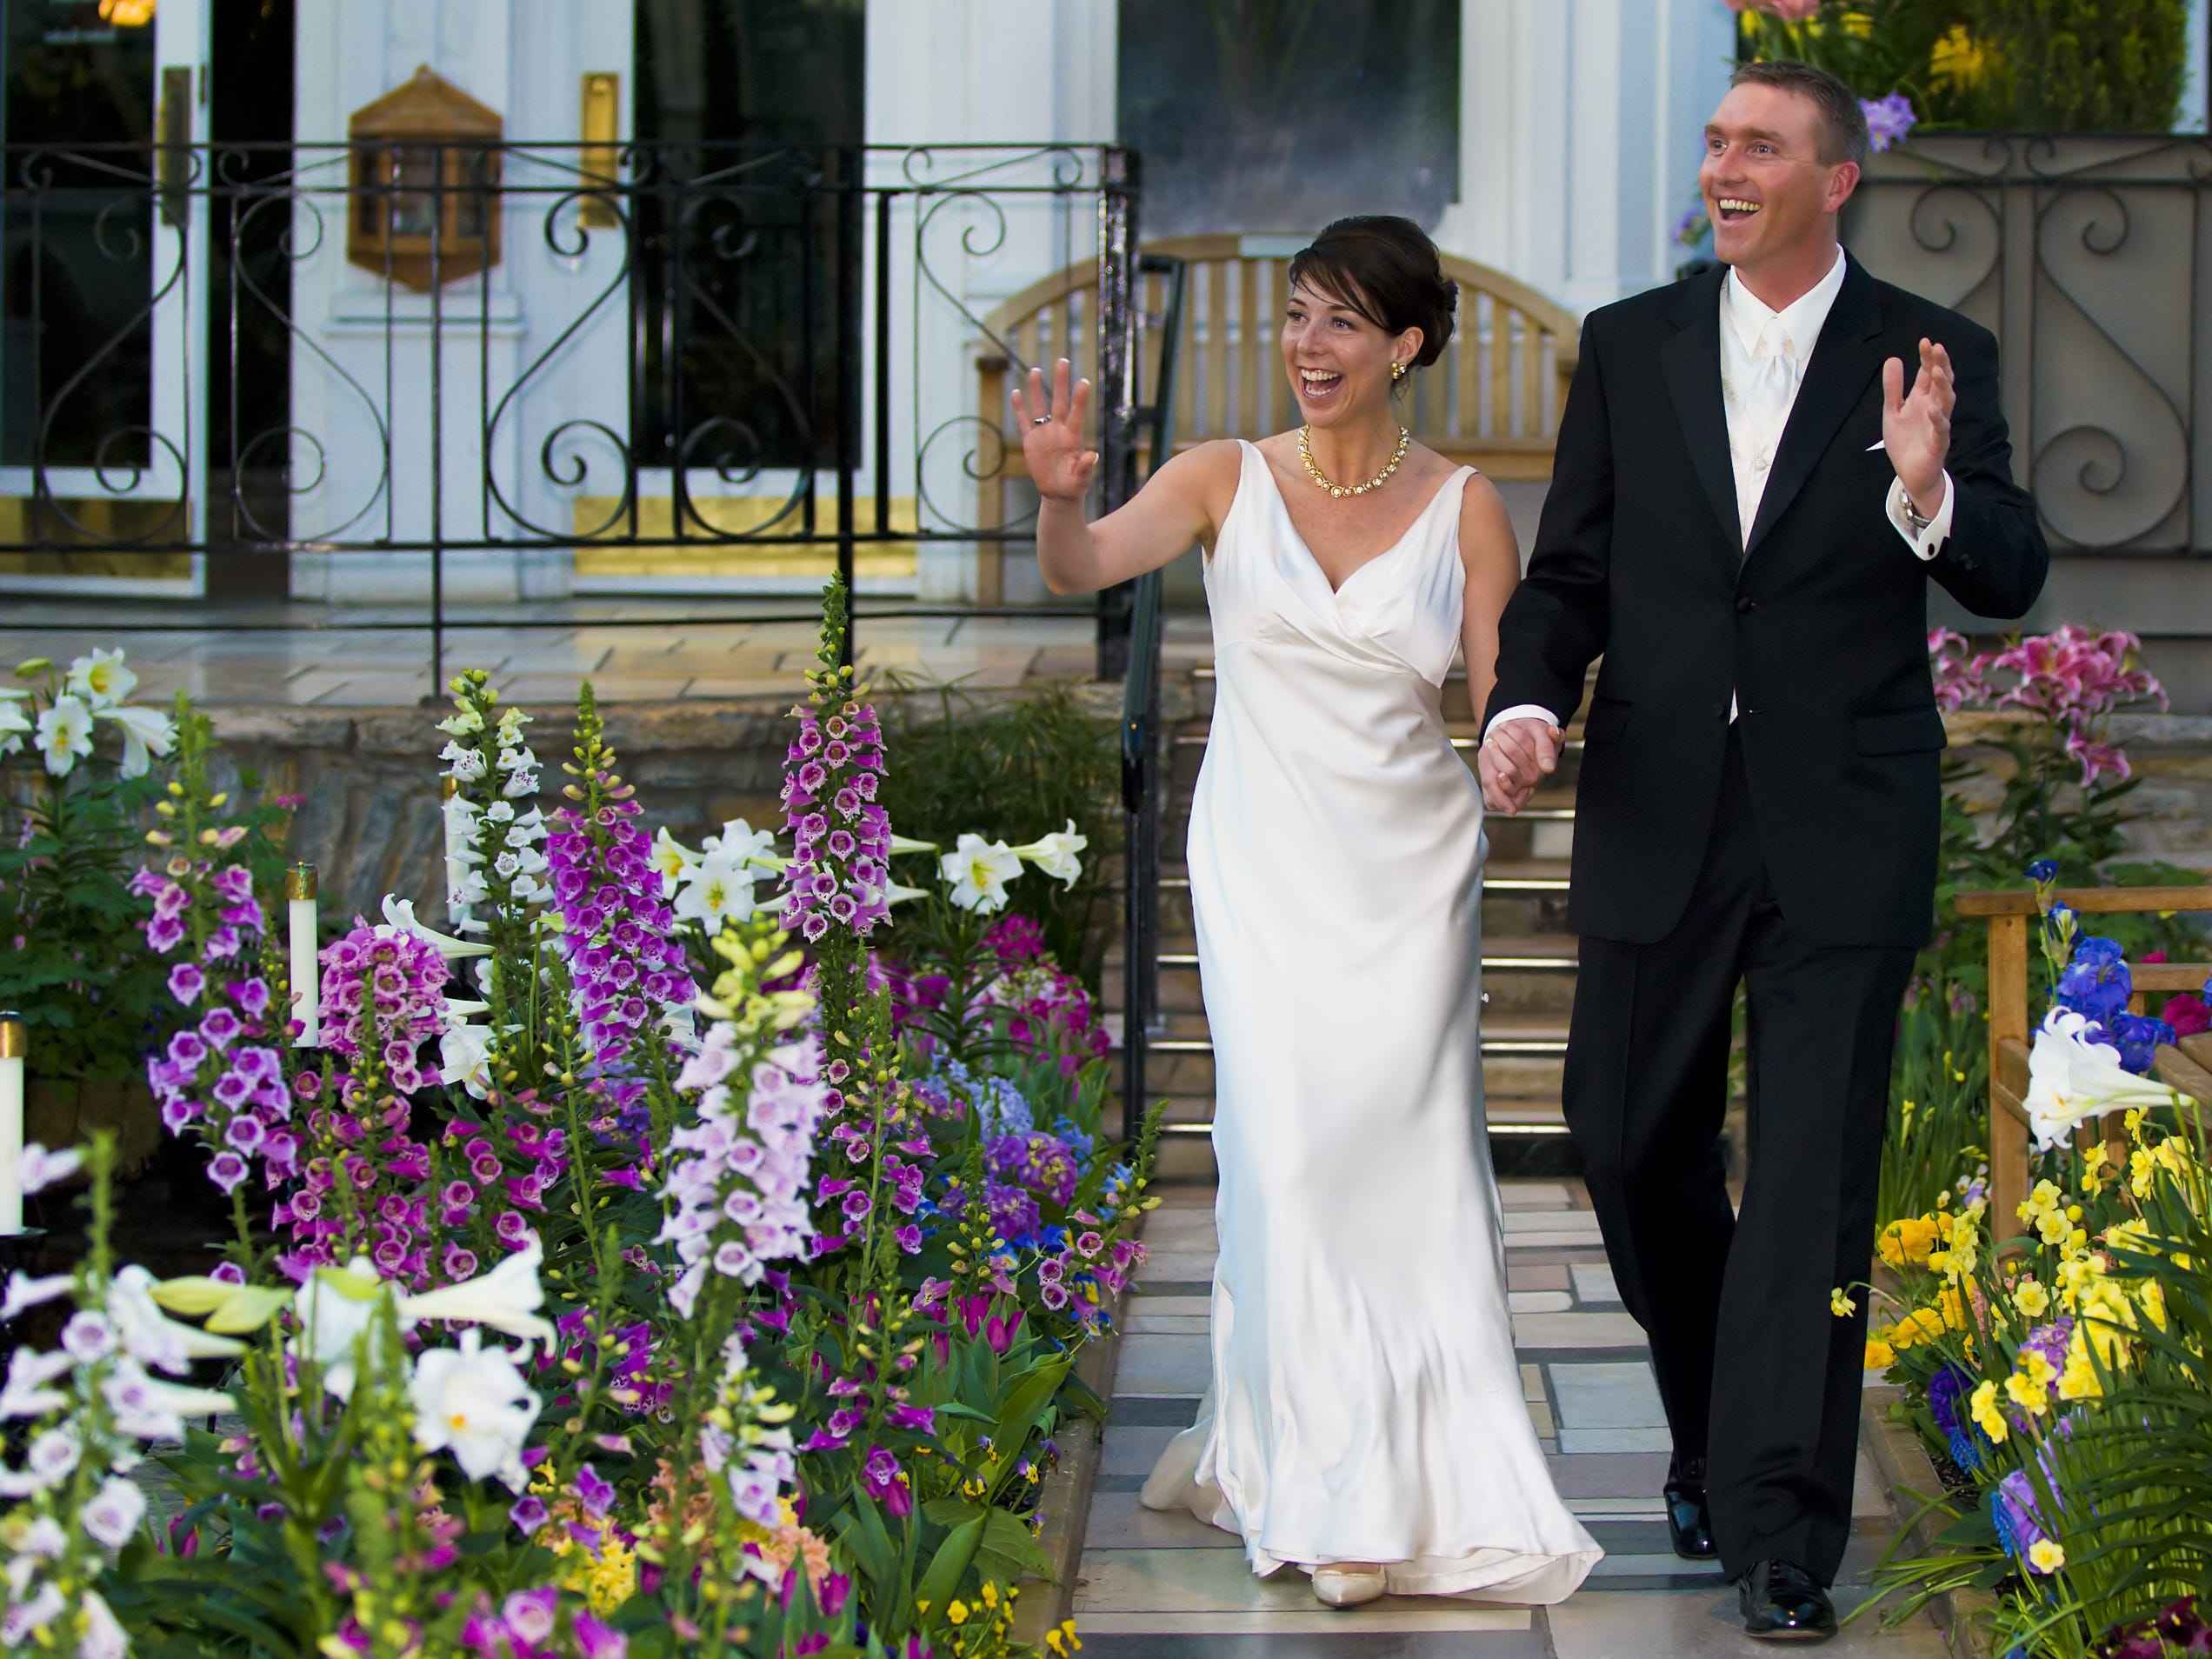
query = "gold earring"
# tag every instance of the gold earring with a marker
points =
(1397, 371)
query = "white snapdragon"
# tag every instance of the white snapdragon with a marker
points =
(115, 1512)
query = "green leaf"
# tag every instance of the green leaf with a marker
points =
(1026, 1402)
(950, 1564)
(864, 1535)
(1010, 1552)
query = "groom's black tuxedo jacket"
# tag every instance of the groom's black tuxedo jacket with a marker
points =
(1819, 626)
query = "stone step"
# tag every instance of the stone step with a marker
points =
(1526, 974)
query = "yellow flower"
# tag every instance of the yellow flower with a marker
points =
(2046, 1557)
(1841, 1304)
(1983, 1407)
(1061, 1641)
(2093, 1164)
(1913, 1328)
(1907, 1239)
(1959, 60)
(956, 1612)
(2152, 1294)
(2031, 1298)
(2029, 1397)
(1950, 1303)
(1857, 23)
(1880, 1356)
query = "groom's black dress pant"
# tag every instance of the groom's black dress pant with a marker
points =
(1758, 1374)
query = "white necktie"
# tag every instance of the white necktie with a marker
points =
(1771, 390)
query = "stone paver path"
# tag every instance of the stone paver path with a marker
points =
(1155, 1586)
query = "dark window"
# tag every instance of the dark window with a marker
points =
(75, 236)
(747, 111)
(1281, 114)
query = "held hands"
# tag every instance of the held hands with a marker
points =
(1917, 430)
(1052, 431)
(1517, 756)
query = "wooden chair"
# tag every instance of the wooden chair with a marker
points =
(2186, 1065)
(1492, 401)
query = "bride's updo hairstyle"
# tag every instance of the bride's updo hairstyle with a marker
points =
(1387, 269)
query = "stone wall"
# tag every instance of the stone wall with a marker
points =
(2170, 754)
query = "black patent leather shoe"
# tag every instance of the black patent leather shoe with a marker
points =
(1784, 1602)
(1689, 1518)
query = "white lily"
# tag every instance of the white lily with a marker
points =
(475, 1404)
(337, 1308)
(717, 888)
(464, 1057)
(506, 1299)
(15, 725)
(894, 894)
(671, 858)
(1056, 854)
(906, 845)
(64, 733)
(979, 871)
(2071, 1080)
(746, 847)
(399, 918)
(101, 679)
(146, 732)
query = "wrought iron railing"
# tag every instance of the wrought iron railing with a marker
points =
(1141, 740)
(249, 355)
(2087, 255)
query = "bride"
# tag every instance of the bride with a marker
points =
(1365, 1421)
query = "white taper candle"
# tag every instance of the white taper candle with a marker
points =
(12, 1055)
(307, 991)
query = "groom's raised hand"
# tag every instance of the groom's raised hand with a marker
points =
(1515, 756)
(1916, 429)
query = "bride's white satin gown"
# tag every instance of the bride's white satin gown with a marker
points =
(1366, 1404)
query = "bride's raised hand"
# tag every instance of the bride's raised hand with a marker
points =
(1052, 430)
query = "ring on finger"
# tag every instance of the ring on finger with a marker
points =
(1041, 420)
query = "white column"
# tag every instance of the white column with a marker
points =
(1579, 124)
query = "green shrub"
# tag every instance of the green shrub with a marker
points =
(2086, 65)
(1010, 771)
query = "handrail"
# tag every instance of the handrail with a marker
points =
(1141, 738)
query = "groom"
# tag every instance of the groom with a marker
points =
(1759, 470)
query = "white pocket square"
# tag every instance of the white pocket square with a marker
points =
(1872, 447)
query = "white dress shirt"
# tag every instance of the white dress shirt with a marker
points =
(1764, 354)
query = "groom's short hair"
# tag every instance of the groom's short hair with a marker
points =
(1843, 123)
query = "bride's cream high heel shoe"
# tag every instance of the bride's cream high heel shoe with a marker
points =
(1347, 1583)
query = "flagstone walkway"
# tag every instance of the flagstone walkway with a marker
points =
(1155, 1586)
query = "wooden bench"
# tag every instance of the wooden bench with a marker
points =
(2187, 1065)
(1491, 402)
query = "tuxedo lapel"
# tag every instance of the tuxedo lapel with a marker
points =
(1692, 362)
(1842, 364)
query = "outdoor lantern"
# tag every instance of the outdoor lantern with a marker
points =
(425, 182)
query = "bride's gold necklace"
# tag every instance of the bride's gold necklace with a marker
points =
(1305, 454)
